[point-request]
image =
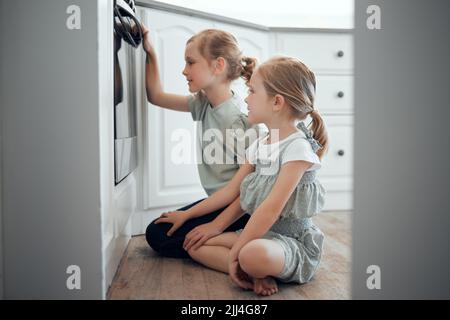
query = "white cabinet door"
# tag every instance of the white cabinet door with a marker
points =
(334, 94)
(169, 183)
(337, 165)
(323, 53)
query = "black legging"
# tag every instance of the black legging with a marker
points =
(157, 238)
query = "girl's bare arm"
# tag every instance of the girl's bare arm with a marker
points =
(229, 215)
(155, 92)
(200, 234)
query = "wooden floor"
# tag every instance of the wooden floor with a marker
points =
(143, 274)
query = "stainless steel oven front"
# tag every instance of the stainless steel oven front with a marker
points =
(127, 36)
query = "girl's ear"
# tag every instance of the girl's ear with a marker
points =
(278, 102)
(220, 65)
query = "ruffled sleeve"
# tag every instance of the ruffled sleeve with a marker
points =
(300, 149)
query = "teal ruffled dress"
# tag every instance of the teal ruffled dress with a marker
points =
(300, 239)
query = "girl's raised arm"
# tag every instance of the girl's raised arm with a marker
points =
(155, 92)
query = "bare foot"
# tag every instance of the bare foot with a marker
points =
(265, 287)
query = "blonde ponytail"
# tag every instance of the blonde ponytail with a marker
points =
(319, 132)
(248, 66)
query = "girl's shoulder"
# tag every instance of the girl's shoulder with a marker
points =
(299, 148)
(198, 97)
(297, 141)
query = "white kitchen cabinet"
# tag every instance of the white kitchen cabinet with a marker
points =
(337, 166)
(320, 51)
(334, 94)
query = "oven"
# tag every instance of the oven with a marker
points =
(127, 37)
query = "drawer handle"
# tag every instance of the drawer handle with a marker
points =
(340, 53)
(340, 94)
(341, 152)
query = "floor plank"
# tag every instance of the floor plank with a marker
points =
(143, 274)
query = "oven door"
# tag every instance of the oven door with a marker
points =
(125, 139)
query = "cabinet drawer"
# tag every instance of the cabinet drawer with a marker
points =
(334, 94)
(337, 165)
(320, 52)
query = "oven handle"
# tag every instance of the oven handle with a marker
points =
(126, 34)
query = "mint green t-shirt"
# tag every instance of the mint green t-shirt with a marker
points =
(219, 151)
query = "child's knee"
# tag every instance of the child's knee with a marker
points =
(194, 253)
(254, 256)
(155, 234)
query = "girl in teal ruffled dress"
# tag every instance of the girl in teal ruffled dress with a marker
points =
(277, 186)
